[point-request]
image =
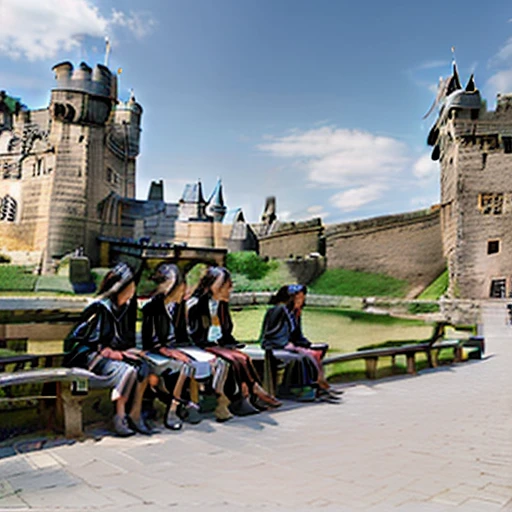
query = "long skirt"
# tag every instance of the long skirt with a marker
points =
(120, 375)
(242, 370)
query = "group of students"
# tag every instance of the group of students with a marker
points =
(187, 347)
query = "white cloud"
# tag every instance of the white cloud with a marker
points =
(432, 64)
(505, 53)
(140, 24)
(341, 157)
(425, 167)
(352, 199)
(37, 29)
(501, 81)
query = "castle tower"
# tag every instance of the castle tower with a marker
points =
(123, 139)
(474, 148)
(216, 207)
(80, 107)
(194, 227)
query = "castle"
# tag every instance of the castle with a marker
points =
(470, 231)
(68, 177)
(60, 162)
(68, 181)
(474, 147)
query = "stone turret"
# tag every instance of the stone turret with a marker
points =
(216, 207)
(474, 148)
(82, 95)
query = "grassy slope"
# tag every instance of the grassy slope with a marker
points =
(435, 289)
(339, 281)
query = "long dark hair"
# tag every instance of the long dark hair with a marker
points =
(116, 280)
(209, 277)
(286, 294)
(167, 276)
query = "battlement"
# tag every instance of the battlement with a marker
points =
(98, 81)
(382, 223)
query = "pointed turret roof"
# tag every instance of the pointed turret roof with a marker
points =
(217, 198)
(453, 81)
(471, 86)
(193, 193)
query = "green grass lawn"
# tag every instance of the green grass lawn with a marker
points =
(344, 331)
(437, 288)
(16, 278)
(339, 281)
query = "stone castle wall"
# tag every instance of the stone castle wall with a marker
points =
(58, 164)
(476, 197)
(292, 240)
(406, 246)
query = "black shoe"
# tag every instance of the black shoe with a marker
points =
(121, 427)
(243, 407)
(259, 404)
(171, 420)
(327, 395)
(190, 413)
(139, 426)
(335, 391)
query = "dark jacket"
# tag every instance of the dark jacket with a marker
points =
(102, 325)
(281, 327)
(276, 330)
(162, 327)
(199, 322)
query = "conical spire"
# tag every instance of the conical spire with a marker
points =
(471, 86)
(453, 81)
(216, 207)
(217, 198)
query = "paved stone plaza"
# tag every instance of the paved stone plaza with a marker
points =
(438, 441)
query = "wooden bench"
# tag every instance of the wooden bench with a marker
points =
(431, 347)
(71, 386)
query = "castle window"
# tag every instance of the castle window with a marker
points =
(8, 209)
(493, 247)
(39, 162)
(490, 204)
(484, 160)
(507, 144)
(498, 289)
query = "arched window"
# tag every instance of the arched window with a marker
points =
(8, 209)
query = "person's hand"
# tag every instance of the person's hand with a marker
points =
(174, 354)
(135, 351)
(112, 354)
(130, 355)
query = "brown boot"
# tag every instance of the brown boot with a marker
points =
(221, 411)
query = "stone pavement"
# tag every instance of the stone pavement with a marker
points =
(439, 441)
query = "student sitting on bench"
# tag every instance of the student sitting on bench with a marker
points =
(210, 326)
(104, 343)
(164, 332)
(282, 329)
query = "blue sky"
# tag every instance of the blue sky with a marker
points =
(316, 102)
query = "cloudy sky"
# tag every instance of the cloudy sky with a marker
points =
(317, 102)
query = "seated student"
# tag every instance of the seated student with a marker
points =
(164, 332)
(282, 329)
(210, 327)
(104, 343)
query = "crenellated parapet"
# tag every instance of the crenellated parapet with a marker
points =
(83, 95)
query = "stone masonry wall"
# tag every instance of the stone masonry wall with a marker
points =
(292, 240)
(407, 246)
